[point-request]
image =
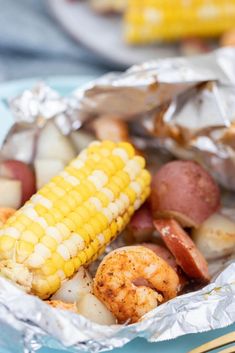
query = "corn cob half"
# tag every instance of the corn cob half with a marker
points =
(151, 20)
(69, 222)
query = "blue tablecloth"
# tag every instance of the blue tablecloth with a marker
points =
(32, 44)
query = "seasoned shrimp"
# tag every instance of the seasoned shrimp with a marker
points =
(5, 213)
(133, 280)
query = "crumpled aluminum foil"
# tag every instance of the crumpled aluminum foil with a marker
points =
(183, 105)
(186, 105)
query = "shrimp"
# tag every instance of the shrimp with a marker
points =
(5, 213)
(133, 280)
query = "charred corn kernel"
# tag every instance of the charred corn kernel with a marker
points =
(68, 222)
(151, 20)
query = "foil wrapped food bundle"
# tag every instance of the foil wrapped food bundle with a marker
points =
(183, 106)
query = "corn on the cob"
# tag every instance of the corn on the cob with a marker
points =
(151, 20)
(69, 222)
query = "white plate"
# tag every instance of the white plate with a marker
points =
(103, 34)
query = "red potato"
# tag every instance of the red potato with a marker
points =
(141, 225)
(188, 257)
(20, 171)
(183, 190)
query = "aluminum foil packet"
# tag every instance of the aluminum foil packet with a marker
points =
(184, 105)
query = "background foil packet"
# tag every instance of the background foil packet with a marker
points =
(183, 105)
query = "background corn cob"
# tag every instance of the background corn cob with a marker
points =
(151, 20)
(69, 222)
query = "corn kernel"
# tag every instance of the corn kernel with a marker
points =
(57, 191)
(87, 227)
(108, 145)
(48, 268)
(23, 250)
(107, 234)
(82, 256)
(96, 226)
(37, 229)
(95, 244)
(62, 207)
(114, 228)
(100, 217)
(118, 162)
(49, 242)
(128, 148)
(22, 219)
(41, 287)
(89, 253)
(6, 243)
(131, 195)
(49, 219)
(103, 198)
(30, 237)
(58, 260)
(76, 263)
(69, 224)
(40, 209)
(54, 282)
(71, 202)
(114, 188)
(85, 235)
(76, 219)
(69, 268)
(76, 196)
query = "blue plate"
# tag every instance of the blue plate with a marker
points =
(65, 85)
